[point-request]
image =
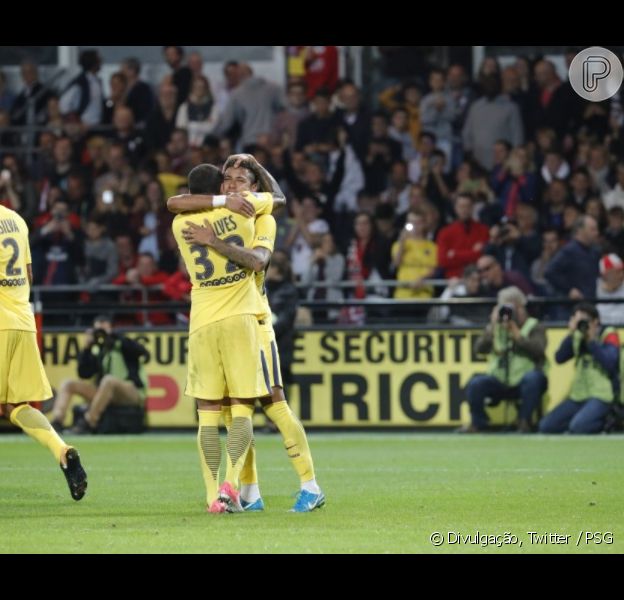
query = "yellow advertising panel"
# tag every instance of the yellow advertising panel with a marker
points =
(361, 378)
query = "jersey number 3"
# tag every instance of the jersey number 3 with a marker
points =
(202, 261)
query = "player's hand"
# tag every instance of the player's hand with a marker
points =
(239, 205)
(89, 339)
(196, 234)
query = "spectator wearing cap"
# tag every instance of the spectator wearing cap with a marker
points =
(610, 286)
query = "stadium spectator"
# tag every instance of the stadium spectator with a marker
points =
(7, 97)
(305, 233)
(513, 182)
(415, 259)
(57, 248)
(615, 197)
(139, 95)
(118, 86)
(493, 117)
(124, 133)
(469, 286)
(355, 119)
(101, 260)
(494, 278)
(382, 152)
(30, 104)
(574, 269)
(437, 112)
(327, 266)
(580, 186)
(253, 106)
(115, 362)
(321, 68)
(286, 123)
(316, 132)
(231, 76)
(614, 233)
(181, 76)
(516, 345)
(461, 243)
(406, 97)
(198, 115)
(83, 98)
(161, 121)
(551, 242)
(595, 350)
(610, 285)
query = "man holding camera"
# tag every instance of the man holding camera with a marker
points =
(120, 378)
(516, 345)
(596, 351)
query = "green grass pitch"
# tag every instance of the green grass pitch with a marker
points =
(385, 493)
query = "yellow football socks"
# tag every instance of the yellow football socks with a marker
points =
(238, 442)
(295, 440)
(34, 423)
(209, 447)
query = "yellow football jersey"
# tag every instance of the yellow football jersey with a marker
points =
(15, 311)
(266, 230)
(221, 289)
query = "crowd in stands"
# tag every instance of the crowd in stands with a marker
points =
(507, 178)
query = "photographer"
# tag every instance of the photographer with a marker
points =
(516, 345)
(595, 350)
(115, 361)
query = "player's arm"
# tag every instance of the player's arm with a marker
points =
(255, 259)
(29, 273)
(194, 202)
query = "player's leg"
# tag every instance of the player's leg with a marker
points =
(209, 447)
(206, 383)
(23, 379)
(245, 381)
(293, 433)
(69, 388)
(250, 497)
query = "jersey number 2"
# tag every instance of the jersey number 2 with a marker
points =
(11, 271)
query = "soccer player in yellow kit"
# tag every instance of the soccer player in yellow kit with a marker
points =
(257, 258)
(224, 346)
(22, 377)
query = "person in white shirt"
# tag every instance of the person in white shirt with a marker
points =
(610, 285)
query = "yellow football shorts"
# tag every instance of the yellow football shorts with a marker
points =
(22, 376)
(224, 358)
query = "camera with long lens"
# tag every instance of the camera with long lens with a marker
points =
(505, 312)
(583, 326)
(100, 337)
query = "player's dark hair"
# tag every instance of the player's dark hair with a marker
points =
(251, 169)
(205, 179)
